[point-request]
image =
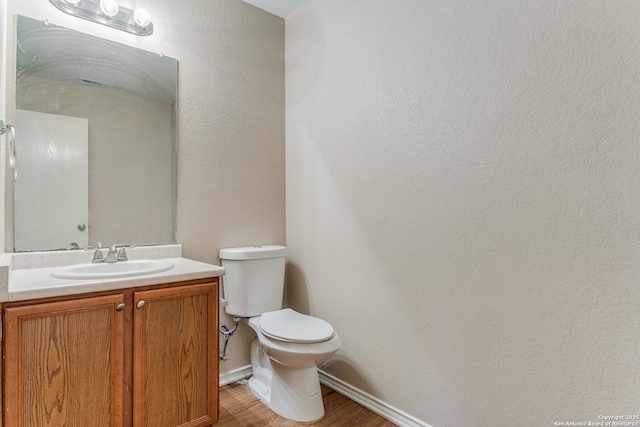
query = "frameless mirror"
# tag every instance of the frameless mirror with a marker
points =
(96, 141)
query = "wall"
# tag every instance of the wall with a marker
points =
(463, 203)
(230, 121)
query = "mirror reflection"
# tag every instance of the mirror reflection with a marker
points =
(95, 141)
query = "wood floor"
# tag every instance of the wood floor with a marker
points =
(239, 408)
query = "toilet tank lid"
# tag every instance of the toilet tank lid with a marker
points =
(253, 252)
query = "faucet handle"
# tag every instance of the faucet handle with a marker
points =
(97, 256)
(122, 255)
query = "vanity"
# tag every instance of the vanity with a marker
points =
(133, 350)
(124, 344)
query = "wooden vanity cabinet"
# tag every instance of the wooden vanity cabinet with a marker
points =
(175, 363)
(143, 357)
(63, 363)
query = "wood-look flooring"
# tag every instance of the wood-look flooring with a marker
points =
(240, 408)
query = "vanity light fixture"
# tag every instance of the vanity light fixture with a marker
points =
(109, 7)
(141, 17)
(108, 12)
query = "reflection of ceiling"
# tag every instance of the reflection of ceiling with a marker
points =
(281, 8)
(60, 54)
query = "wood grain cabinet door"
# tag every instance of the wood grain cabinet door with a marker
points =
(64, 363)
(175, 363)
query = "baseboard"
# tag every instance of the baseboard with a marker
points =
(370, 402)
(363, 398)
(235, 375)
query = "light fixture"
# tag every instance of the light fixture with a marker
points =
(107, 12)
(141, 17)
(109, 7)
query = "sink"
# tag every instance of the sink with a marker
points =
(112, 270)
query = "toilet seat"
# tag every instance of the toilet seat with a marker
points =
(290, 326)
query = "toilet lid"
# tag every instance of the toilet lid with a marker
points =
(289, 325)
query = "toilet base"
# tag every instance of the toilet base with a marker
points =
(260, 385)
(293, 394)
(296, 394)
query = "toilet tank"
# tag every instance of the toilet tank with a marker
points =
(253, 282)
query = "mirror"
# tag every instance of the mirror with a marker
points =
(96, 141)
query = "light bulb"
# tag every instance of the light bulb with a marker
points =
(109, 7)
(73, 2)
(141, 17)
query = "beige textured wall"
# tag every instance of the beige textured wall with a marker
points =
(463, 203)
(230, 119)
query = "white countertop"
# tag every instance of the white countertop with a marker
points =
(26, 283)
(38, 282)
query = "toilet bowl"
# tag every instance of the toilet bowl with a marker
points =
(285, 376)
(288, 344)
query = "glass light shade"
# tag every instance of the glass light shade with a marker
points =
(73, 2)
(109, 7)
(141, 17)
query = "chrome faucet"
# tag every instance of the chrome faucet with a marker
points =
(116, 253)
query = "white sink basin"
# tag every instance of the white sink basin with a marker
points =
(112, 270)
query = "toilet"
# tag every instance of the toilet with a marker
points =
(288, 344)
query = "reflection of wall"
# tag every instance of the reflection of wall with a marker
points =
(230, 120)
(129, 166)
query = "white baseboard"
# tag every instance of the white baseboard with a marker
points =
(363, 398)
(370, 402)
(235, 375)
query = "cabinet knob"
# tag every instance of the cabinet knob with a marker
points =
(140, 304)
(120, 307)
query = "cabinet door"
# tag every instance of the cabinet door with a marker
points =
(175, 364)
(64, 363)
